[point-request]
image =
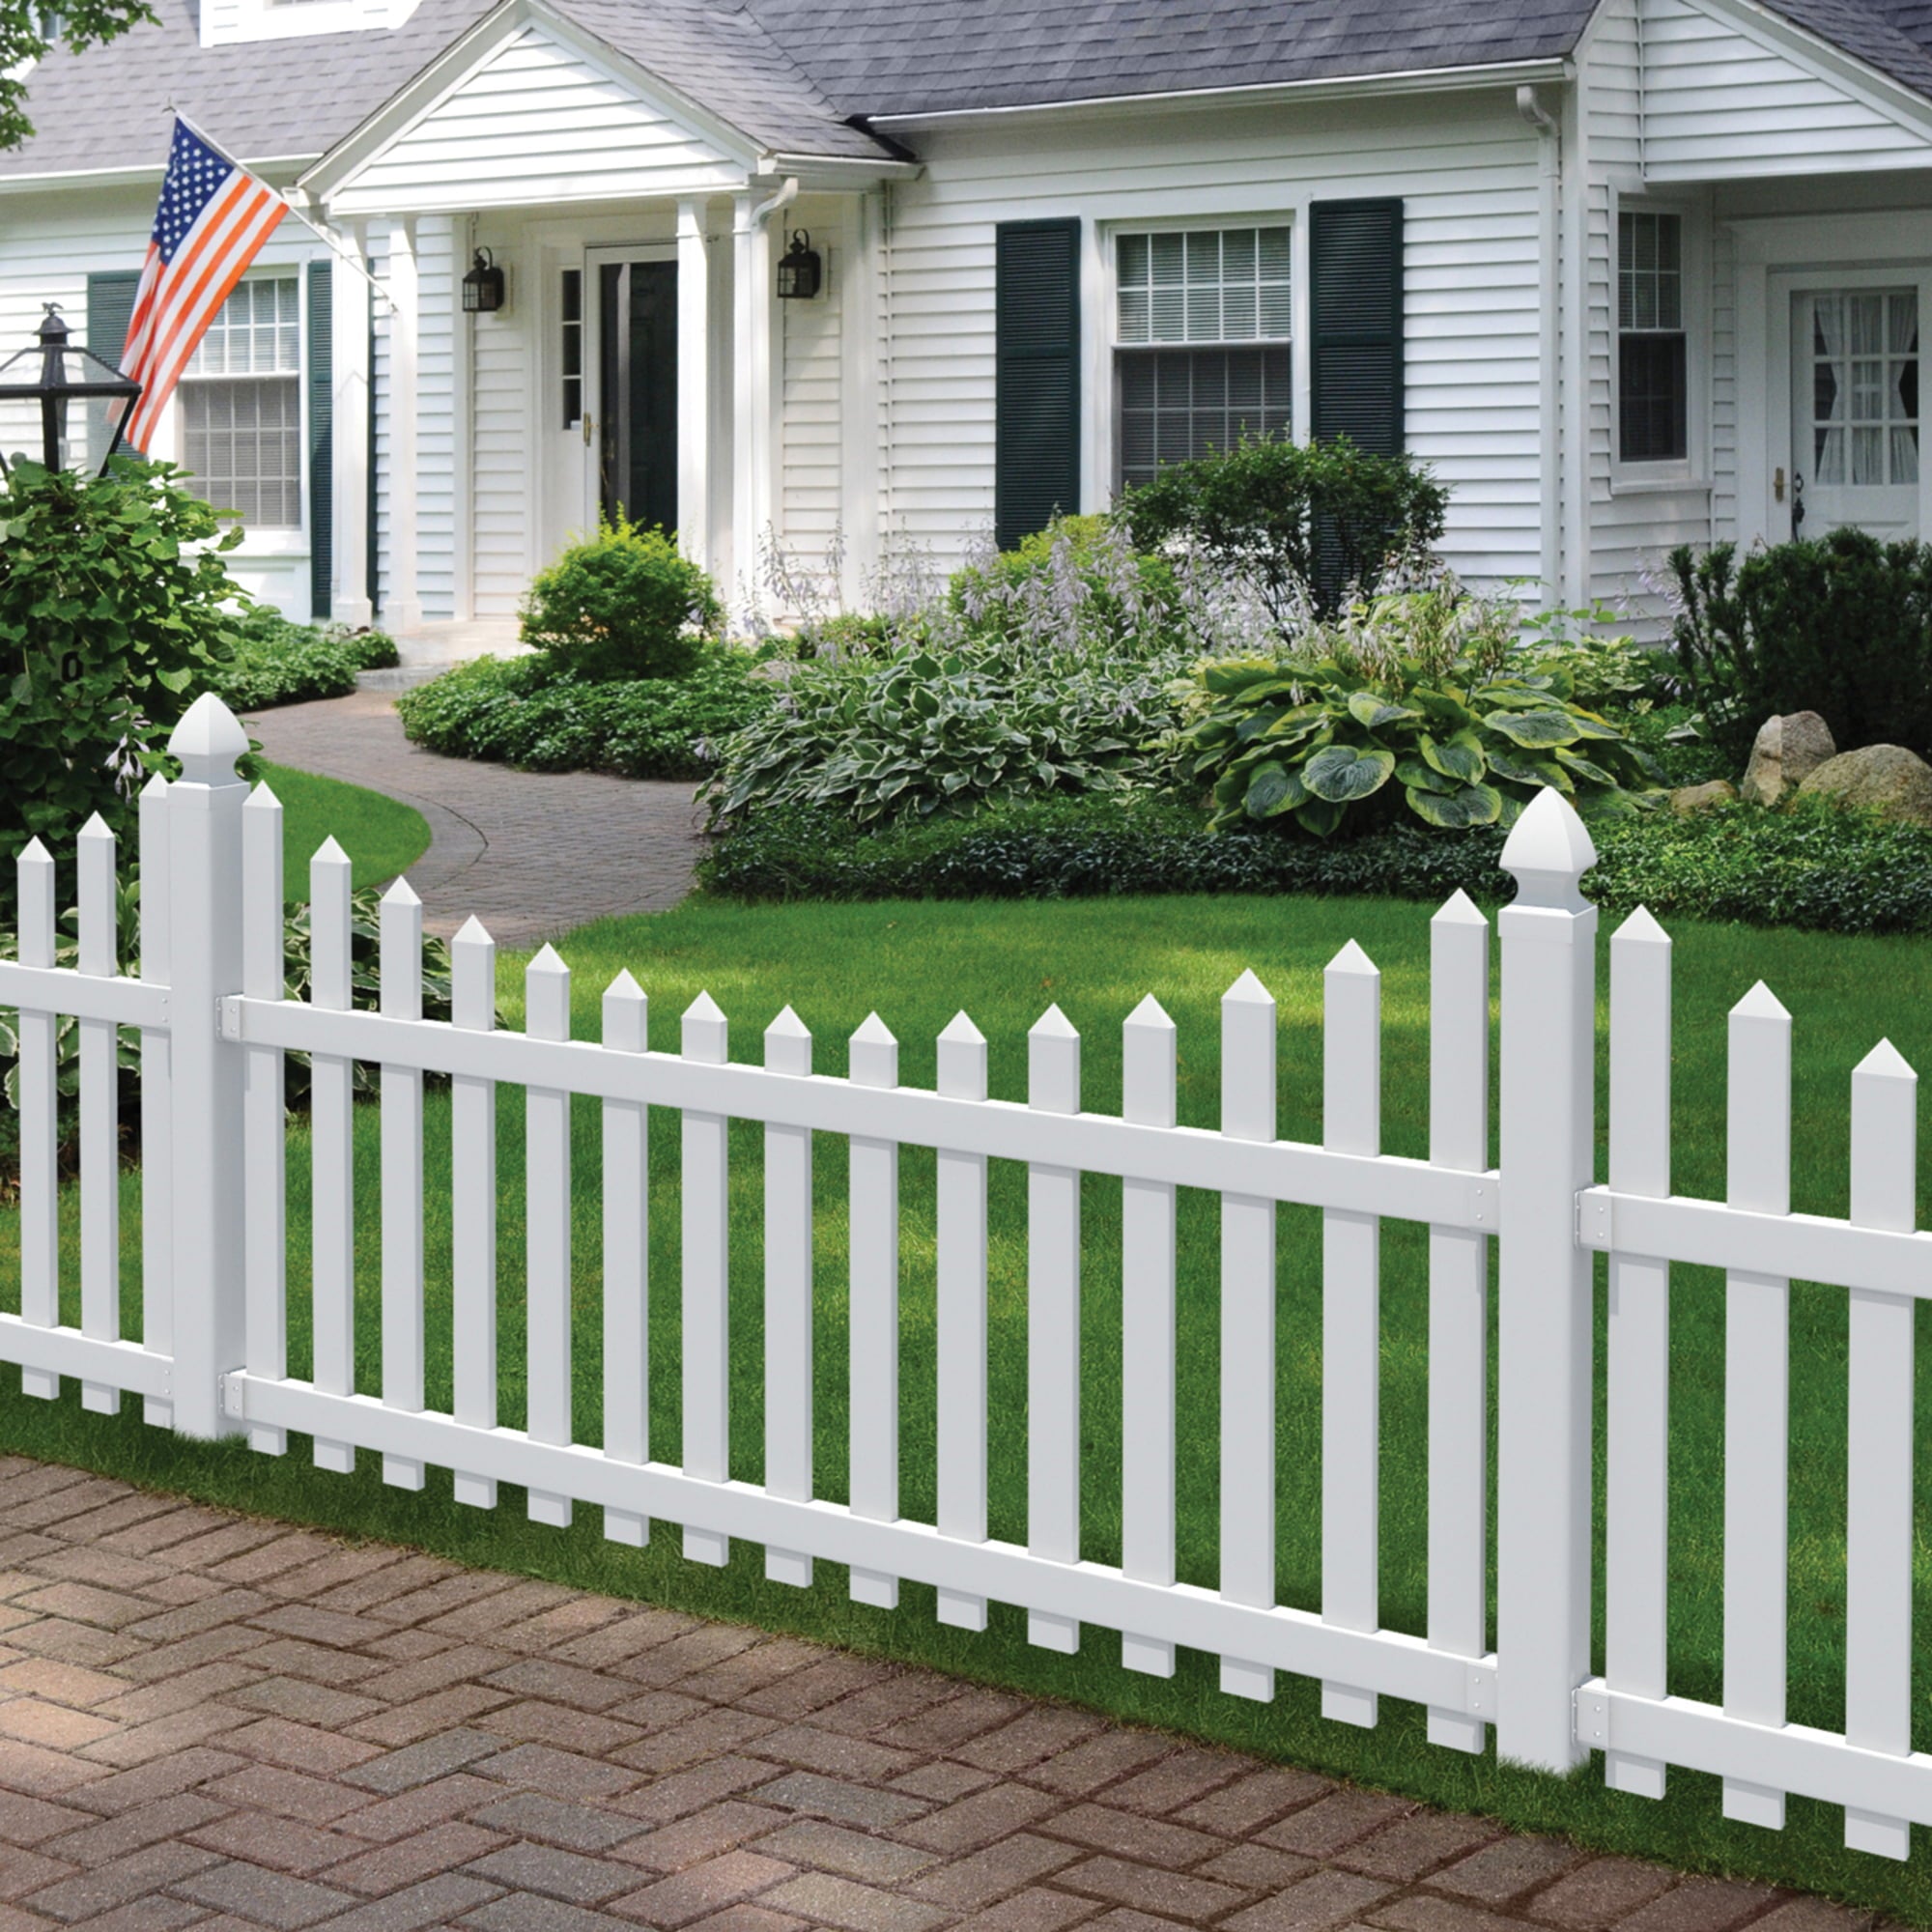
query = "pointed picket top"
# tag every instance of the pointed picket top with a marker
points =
(1640, 930)
(874, 1054)
(1885, 1062)
(472, 933)
(961, 1032)
(1248, 990)
(872, 1032)
(207, 741)
(95, 828)
(1352, 960)
(1548, 851)
(402, 894)
(1459, 909)
(703, 1007)
(548, 964)
(626, 1014)
(263, 799)
(788, 1026)
(1760, 1004)
(1151, 1013)
(961, 1060)
(705, 1033)
(623, 988)
(1053, 1024)
(34, 853)
(328, 853)
(156, 787)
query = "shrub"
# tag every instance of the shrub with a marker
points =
(918, 734)
(1303, 521)
(277, 662)
(1839, 624)
(112, 596)
(527, 712)
(626, 604)
(1424, 686)
(1077, 587)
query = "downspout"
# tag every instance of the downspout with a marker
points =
(751, 485)
(1549, 341)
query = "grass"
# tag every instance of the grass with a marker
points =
(381, 835)
(919, 963)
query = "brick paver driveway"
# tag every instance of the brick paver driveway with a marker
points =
(214, 1721)
(530, 853)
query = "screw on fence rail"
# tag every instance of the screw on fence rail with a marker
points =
(1544, 1315)
(205, 807)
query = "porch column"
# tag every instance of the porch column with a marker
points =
(693, 384)
(741, 586)
(402, 602)
(349, 430)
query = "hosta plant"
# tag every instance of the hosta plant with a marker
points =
(1418, 705)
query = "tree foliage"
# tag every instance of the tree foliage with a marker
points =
(23, 46)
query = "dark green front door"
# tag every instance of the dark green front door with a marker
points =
(637, 365)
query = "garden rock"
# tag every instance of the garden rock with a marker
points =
(1687, 799)
(1885, 779)
(1787, 752)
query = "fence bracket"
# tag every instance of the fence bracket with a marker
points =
(1594, 1219)
(235, 1397)
(228, 1016)
(1592, 1704)
(1481, 1701)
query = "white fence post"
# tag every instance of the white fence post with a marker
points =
(205, 807)
(1544, 1328)
(40, 1122)
(157, 1242)
(100, 1111)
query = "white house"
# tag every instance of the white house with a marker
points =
(1625, 275)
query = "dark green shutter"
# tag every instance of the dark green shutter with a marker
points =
(110, 305)
(320, 438)
(1037, 379)
(1355, 260)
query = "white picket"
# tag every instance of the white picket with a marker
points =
(472, 1230)
(1247, 1328)
(1351, 1123)
(1637, 1473)
(1053, 1326)
(1879, 1533)
(1459, 1307)
(961, 1234)
(99, 1112)
(401, 1176)
(547, 1223)
(1757, 1394)
(627, 1260)
(158, 1239)
(705, 1036)
(331, 1149)
(39, 1203)
(1148, 1067)
(788, 1316)
(264, 1130)
(874, 1310)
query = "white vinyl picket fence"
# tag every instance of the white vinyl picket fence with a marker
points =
(215, 1027)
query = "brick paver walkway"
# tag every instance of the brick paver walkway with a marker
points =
(214, 1721)
(561, 847)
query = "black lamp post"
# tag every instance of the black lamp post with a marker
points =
(799, 268)
(483, 285)
(54, 387)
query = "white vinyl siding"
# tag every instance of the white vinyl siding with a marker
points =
(500, 354)
(811, 434)
(381, 405)
(536, 122)
(1467, 168)
(437, 409)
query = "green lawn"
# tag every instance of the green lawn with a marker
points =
(919, 963)
(382, 837)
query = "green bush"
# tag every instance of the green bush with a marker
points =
(528, 712)
(1811, 865)
(1303, 522)
(277, 662)
(1423, 687)
(1078, 586)
(625, 605)
(1839, 624)
(113, 615)
(918, 734)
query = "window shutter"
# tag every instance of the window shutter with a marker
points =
(320, 438)
(110, 307)
(1036, 406)
(1355, 259)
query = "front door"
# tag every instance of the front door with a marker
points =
(634, 445)
(1855, 410)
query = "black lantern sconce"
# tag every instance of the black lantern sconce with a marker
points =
(483, 286)
(800, 270)
(55, 386)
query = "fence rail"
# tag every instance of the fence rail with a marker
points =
(214, 1030)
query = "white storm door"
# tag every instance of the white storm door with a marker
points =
(1855, 417)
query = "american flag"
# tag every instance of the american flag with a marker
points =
(212, 219)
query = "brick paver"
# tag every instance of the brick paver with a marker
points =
(362, 1740)
(563, 847)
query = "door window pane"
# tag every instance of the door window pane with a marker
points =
(1864, 387)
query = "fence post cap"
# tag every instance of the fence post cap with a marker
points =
(1052, 1024)
(1761, 1004)
(1642, 929)
(1353, 960)
(156, 787)
(1459, 909)
(788, 1026)
(1151, 1013)
(207, 741)
(34, 853)
(402, 894)
(1548, 852)
(1885, 1062)
(549, 961)
(959, 1029)
(1247, 990)
(472, 933)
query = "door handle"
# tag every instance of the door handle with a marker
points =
(1797, 500)
(586, 428)
(1778, 484)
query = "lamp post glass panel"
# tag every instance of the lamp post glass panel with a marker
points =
(56, 373)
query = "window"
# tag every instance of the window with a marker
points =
(1202, 328)
(241, 397)
(573, 347)
(1653, 390)
(1864, 387)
